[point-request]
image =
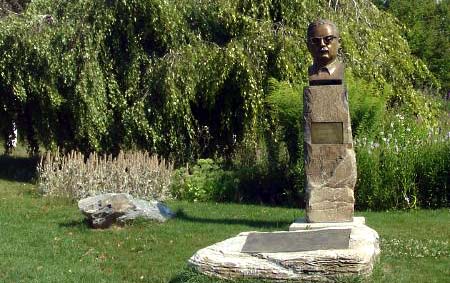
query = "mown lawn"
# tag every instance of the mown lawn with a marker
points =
(46, 240)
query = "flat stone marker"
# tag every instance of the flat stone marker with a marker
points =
(226, 260)
(297, 241)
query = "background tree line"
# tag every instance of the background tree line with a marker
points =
(182, 78)
(214, 81)
(427, 29)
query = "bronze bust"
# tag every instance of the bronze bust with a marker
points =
(323, 43)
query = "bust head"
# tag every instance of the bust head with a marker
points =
(323, 42)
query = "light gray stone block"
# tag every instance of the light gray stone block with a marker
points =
(225, 260)
(302, 224)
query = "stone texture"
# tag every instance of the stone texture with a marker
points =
(104, 210)
(302, 224)
(330, 168)
(225, 260)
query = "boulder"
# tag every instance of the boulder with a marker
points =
(104, 210)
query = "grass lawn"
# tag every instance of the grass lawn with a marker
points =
(46, 240)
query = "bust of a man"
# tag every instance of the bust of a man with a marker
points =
(323, 43)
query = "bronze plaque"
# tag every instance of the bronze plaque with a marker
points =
(327, 132)
(298, 241)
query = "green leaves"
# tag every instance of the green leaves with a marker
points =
(185, 79)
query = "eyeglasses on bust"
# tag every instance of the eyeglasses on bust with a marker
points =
(326, 39)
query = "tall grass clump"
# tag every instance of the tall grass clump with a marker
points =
(433, 171)
(402, 161)
(404, 166)
(205, 180)
(76, 176)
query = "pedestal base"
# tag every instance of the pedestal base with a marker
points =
(301, 224)
(226, 259)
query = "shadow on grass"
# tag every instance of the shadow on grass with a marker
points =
(21, 169)
(82, 224)
(191, 275)
(180, 214)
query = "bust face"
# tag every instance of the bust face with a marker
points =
(323, 43)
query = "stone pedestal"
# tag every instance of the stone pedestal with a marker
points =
(227, 259)
(330, 162)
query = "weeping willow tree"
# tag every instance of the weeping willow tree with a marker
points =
(182, 78)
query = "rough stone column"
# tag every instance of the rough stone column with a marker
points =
(330, 162)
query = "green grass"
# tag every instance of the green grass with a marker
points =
(46, 240)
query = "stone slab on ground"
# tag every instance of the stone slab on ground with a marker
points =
(225, 260)
(303, 224)
(104, 210)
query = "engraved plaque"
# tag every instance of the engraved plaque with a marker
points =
(327, 133)
(297, 241)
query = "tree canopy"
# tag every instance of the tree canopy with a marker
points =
(427, 29)
(182, 78)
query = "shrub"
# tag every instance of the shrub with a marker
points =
(286, 108)
(204, 181)
(403, 167)
(270, 166)
(260, 165)
(75, 176)
(401, 162)
(367, 105)
(433, 173)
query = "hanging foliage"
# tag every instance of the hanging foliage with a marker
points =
(183, 78)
